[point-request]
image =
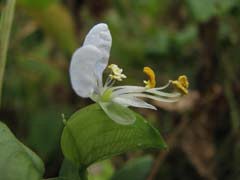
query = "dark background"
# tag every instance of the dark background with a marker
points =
(199, 38)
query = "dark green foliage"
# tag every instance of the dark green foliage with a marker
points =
(69, 171)
(17, 162)
(199, 38)
(135, 169)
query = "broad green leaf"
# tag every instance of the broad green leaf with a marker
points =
(17, 162)
(135, 169)
(90, 135)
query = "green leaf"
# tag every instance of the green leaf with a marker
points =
(135, 169)
(202, 10)
(17, 162)
(90, 135)
(224, 6)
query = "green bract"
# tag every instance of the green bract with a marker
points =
(90, 135)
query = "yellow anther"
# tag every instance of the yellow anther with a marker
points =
(151, 83)
(181, 84)
(116, 72)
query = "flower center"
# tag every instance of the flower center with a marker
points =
(151, 83)
(106, 96)
(116, 73)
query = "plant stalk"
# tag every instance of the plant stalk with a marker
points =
(5, 29)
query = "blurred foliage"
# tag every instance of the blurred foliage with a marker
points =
(48, 14)
(135, 169)
(198, 38)
(5, 29)
(99, 171)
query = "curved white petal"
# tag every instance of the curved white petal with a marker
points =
(133, 101)
(82, 66)
(163, 94)
(118, 113)
(119, 90)
(100, 37)
(157, 98)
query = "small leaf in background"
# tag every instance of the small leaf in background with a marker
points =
(137, 169)
(57, 23)
(202, 10)
(90, 136)
(17, 162)
(159, 43)
(101, 171)
(225, 5)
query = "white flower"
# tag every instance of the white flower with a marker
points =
(87, 65)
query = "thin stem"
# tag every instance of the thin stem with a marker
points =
(5, 29)
(83, 174)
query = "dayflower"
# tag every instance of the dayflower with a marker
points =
(86, 70)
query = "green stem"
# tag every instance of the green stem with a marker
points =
(83, 174)
(5, 29)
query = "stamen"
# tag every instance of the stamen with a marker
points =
(151, 83)
(116, 73)
(181, 84)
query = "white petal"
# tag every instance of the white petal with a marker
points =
(100, 37)
(118, 113)
(164, 94)
(82, 70)
(157, 98)
(119, 90)
(133, 101)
